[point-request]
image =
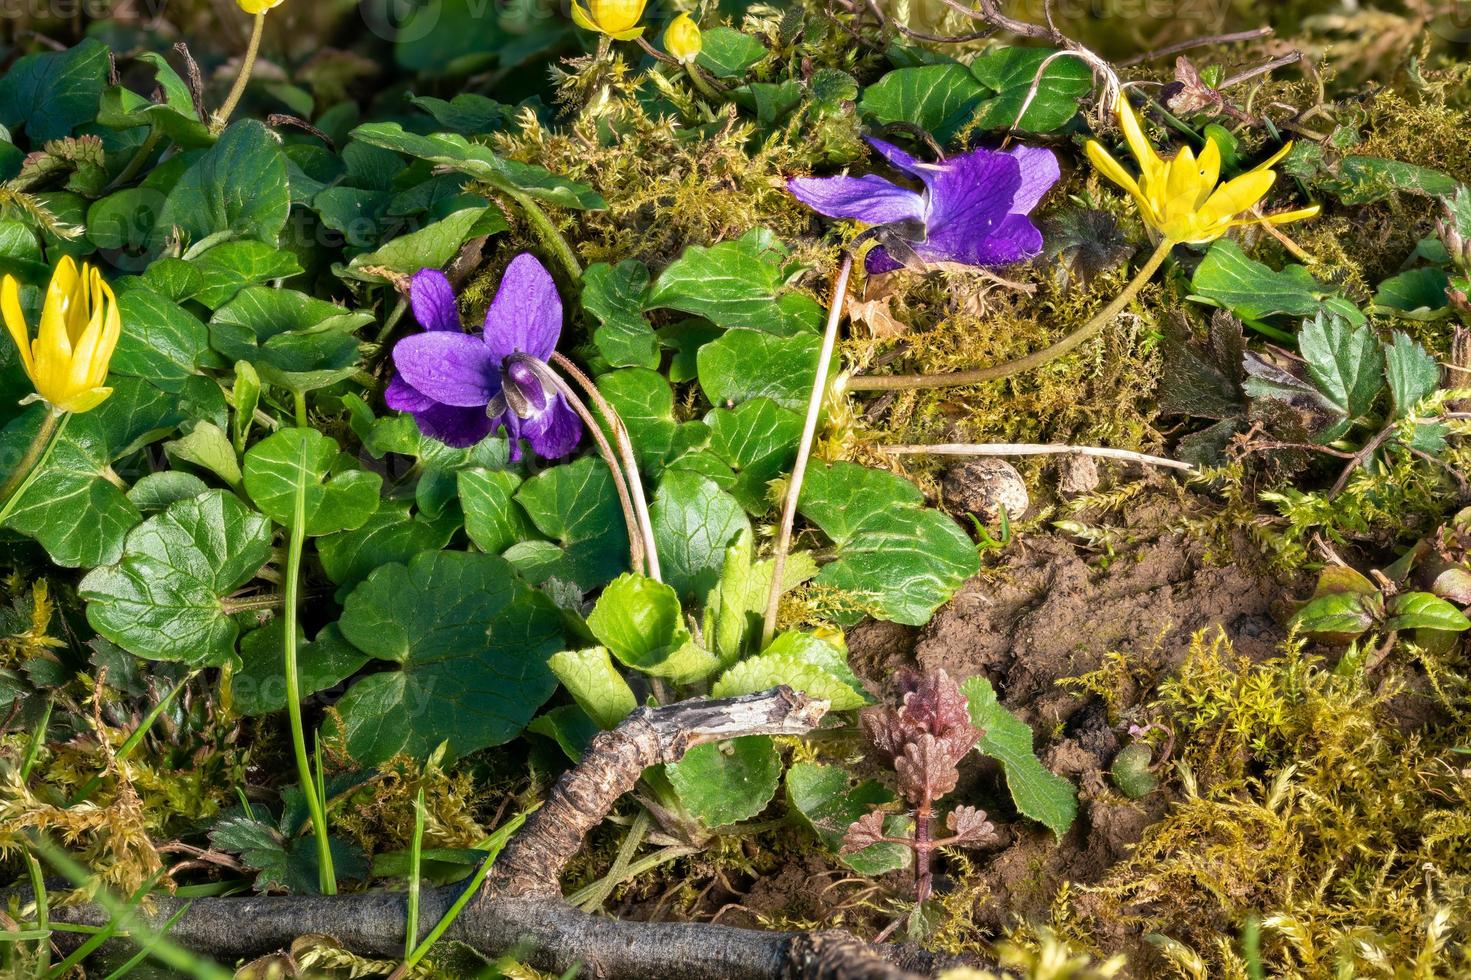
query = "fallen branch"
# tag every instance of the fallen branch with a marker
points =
(520, 906)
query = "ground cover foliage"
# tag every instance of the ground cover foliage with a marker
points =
(448, 374)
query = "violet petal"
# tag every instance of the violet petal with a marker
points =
(457, 427)
(451, 368)
(433, 300)
(404, 397)
(1039, 172)
(526, 315)
(896, 157)
(871, 198)
(554, 432)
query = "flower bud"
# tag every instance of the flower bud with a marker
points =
(682, 39)
(258, 6)
(619, 19)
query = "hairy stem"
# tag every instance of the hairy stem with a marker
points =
(1031, 449)
(804, 448)
(892, 382)
(247, 66)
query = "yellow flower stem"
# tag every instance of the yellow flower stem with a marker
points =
(326, 875)
(32, 463)
(246, 67)
(548, 233)
(702, 83)
(804, 448)
(901, 382)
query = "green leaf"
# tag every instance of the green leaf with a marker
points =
(727, 53)
(156, 491)
(735, 284)
(722, 783)
(259, 686)
(641, 623)
(728, 607)
(614, 295)
(1011, 72)
(230, 267)
(1339, 616)
(937, 98)
(161, 341)
(286, 329)
(595, 684)
(1367, 179)
(480, 162)
(830, 803)
(124, 220)
(645, 402)
(1419, 294)
(576, 506)
(390, 535)
(758, 441)
(208, 447)
(747, 364)
(72, 508)
(471, 641)
(492, 519)
(432, 246)
(694, 522)
(1037, 792)
(1251, 290)
(338, 495)
(467, 112)
(52, 93)
(1344, 362)
(1423, 611)
(806, 663)
(1413, 373)
(237, 186)
(165, 599)
(286, 861)
(896, 559)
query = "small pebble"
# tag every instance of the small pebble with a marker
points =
(983, 486)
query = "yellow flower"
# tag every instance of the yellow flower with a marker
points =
(258, 6)
(616, 18)
(682, 39)
(80, 326)
(1179, 197)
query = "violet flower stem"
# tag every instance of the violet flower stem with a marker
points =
(636, 557)
(804, 448)
(246, 67)
(900, 382)
(624, 443)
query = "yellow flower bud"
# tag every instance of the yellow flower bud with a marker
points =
(258, 6)
(682, 39)
(67, 362)
(616, 18)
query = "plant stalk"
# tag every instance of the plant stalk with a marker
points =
(624, 442)
(553, 239)
(326, 876)
(636, 557)
(32, 463)
(247, 66)
(902, 382)
(804, 448)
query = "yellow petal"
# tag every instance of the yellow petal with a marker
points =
(89, 361)
(1182, 188)
(583, 19)
(1283, 217)
(1209, 167)
(1238, 195)
(15, 322)
(1110, 167)
(84, 401)
(1150, 164)
(682, 39)
(1286, 148)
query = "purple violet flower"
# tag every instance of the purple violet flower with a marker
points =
(460, 387)
(972, 210)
